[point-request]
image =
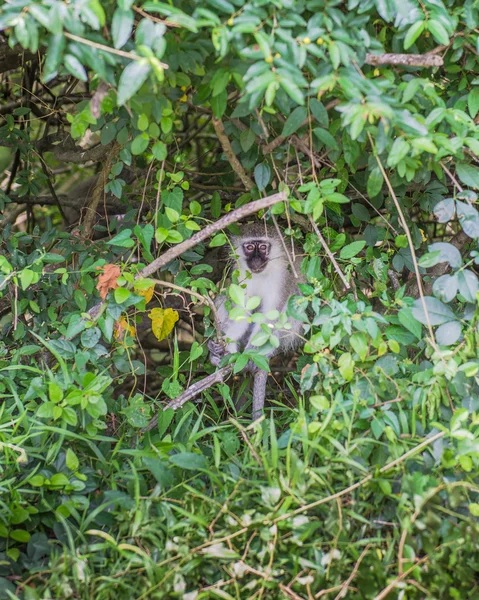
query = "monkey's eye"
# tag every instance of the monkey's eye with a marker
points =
(249, 247)
(263, 247)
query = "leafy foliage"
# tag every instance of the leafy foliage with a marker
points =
(127, 128)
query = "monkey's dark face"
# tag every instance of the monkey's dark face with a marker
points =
(257, 254)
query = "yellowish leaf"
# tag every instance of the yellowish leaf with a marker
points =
(146, 293)
(121, 327)
(162, 322)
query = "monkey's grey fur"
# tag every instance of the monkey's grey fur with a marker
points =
(274, 284)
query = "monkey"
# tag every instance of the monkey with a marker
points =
(266, 271)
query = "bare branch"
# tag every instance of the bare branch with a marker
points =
(406, 60)
(330, 255)
(98, 192)
(230, 155)
(209, 230)
(190, 393)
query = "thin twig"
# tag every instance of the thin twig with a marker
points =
(230, 155)
(131, 55)
(412, 250)
(143, 13)
(330, 254)
(194, 390)
(354, 572)
(387, 590)
(52, 188)
(358, 484)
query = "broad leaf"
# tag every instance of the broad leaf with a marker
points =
(437, 312)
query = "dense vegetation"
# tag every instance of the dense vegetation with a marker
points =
(128, 128)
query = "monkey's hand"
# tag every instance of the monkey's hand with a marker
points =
(217, 351)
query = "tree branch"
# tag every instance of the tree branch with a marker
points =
(230, 155)
(406, 60)
(98, 192)
(200, 386)
(229, 219)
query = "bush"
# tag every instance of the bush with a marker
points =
(126, 130)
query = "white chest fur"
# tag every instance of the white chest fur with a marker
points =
(268, 285)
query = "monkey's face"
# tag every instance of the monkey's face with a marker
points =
(256, 253)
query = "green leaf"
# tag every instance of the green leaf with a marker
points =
(326, 138)
(361, 212)
(72, 461)
(375, 182)
(468, 174)
(448, 253)
(352, 249)
(237, 294)
(247, 139)
(121, 26)
(26, 278)
(140, 143)
(215, 206)
(90, 337)
(122, 239)
(448, 333)
(407, 320)
(75, 67)
(468, 284)
(444, 210)
(56, 45)
(319, 112)
(218, 104)
(346, 366)
(445, 287)
(191, 461)
(413, 33)
(359, 343)
(159, 150)
(399, 150)
(294, 121)
(438, 31)
(438, 312)
(20, 535)
(262, 175)
(292, 90)
(473, 101)
(133, 77)
(468, 218)
(218, 240)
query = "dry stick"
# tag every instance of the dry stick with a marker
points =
(52, 188)
(80, 40)
(387, 590)
(280, 235)
(345, 585)
(97, 193)
(404, 225)
(195, 389)
(143, 13)
(360, 483)
(407, 60)
(209, 230)
(230, 155)
(330, 254)
(453, 179)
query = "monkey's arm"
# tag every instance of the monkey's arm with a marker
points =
(232, 331)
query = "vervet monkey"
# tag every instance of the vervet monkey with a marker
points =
(266, 270)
